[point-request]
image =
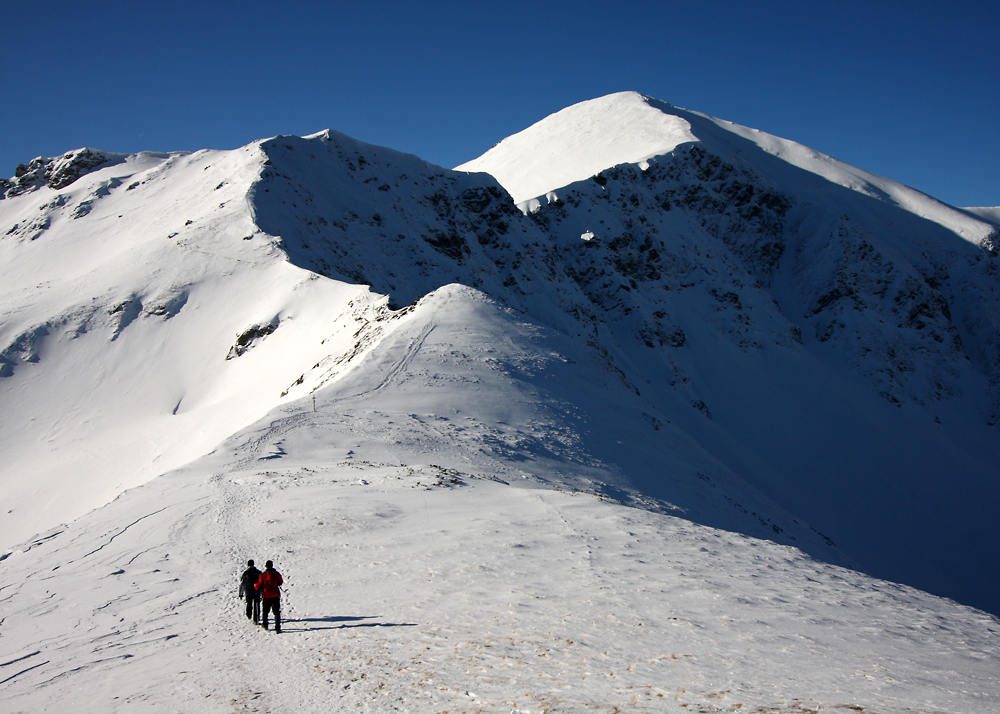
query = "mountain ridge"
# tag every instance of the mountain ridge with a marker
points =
(742, 312)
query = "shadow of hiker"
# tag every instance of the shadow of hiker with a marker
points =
(345, 622)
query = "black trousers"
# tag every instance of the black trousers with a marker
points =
(273, 604)
(253, 606)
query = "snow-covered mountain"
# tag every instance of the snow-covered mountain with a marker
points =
(725, 343)
(840, 328)
(137, 303)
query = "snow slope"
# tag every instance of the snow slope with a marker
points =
(580, 141)
(123, 295)
(430, 567)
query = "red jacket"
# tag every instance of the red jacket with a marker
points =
(268, 583)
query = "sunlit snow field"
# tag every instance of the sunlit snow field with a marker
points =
(423, 574)
(415, 588)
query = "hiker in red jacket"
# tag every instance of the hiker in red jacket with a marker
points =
(267, 585)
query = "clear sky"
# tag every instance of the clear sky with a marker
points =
(909, 90)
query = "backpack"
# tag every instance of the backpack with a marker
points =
(248, 581)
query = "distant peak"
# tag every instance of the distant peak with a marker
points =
(629, 96)
(582, 140)
(321, 135)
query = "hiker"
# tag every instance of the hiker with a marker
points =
(267, 585)
(248, 582)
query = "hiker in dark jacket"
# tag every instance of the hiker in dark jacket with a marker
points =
(248, 582)
(267, 585)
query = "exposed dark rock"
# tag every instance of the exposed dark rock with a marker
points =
(247, 339)
(57, 173)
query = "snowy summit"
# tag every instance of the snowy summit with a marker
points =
(639, 411)
(580, 141)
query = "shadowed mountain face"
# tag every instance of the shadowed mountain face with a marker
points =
(727, 326)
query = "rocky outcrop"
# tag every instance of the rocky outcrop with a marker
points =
(56, 173)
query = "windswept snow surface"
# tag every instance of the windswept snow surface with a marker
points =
(430, 566)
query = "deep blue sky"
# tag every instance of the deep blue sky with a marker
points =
(908, 90)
